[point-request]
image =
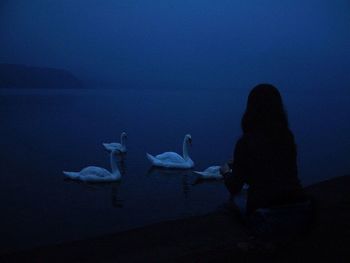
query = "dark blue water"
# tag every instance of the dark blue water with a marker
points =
(45, 132)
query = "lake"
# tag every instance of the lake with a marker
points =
(44, 132)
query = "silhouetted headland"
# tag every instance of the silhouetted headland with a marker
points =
(212, 238)
(22, 76)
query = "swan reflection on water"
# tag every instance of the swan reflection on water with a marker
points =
(93, 187)
(117, 203)
(174, 173)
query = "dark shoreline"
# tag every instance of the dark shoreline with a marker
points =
(211, 238)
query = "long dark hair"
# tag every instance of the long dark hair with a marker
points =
(265, 111)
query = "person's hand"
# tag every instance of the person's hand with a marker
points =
(225, 169)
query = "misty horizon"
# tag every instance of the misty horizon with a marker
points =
(192, 44)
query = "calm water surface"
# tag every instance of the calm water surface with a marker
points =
(45, 132)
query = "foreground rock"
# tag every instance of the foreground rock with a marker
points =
(213, 238)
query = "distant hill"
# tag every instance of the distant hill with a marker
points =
(21, 76)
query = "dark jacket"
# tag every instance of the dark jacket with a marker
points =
(268, 164)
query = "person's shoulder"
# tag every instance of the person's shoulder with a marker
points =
(290, 134)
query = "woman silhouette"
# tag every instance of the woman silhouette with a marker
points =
(265, 156)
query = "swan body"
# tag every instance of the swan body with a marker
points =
(96, 174)
(172, 159)
(121, 147)
(211, 173)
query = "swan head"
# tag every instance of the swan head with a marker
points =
(123, 135)
(188, 139)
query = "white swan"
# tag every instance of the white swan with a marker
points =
(172, 159)
(97, 174)
(211, 173)
(117, 146)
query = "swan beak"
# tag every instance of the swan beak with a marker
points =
(190, 141)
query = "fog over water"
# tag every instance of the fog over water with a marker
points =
(158, 70)
(188, 44)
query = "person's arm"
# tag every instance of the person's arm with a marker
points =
(234, 172)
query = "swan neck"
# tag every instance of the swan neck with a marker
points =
(123, 141)
(185, 150)
(114, 165)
